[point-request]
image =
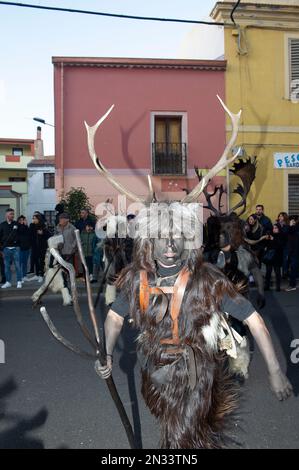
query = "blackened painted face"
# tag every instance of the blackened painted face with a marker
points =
(168, 251)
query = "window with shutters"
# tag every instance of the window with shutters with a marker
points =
(169, 147)
(49, 180)
(17, 151)
(293, 69)
(293, 192)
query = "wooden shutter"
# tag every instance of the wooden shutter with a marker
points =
(160, 131)
(293, 190)
(294, 59)
(293, 66)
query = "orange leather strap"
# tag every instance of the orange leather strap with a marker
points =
(177, 290)
(144, 293)
(176, 302)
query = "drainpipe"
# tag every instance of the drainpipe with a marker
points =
(18, 204)
(62, 125)
(227, 190)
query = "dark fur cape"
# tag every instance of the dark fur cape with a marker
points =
(190, 416)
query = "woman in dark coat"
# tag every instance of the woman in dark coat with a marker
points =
(273, 257)
(39, 235)
(283, 222)
(293, 251)
(25, 244)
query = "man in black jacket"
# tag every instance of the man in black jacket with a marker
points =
(9, 241)
(263, 219)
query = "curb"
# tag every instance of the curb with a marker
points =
(28, 291)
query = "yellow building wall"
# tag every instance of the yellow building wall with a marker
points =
(6, 149)
(15, 169)
(15, 166)
(256, 83)
(6, 174)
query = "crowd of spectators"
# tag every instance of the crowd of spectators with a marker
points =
(24, 245)
(275, 244)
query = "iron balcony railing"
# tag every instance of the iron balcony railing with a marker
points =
(169, 159)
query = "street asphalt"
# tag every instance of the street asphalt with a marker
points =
(51, 398)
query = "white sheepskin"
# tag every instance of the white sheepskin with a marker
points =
(240, 365)
(211, 332)
(57, 284)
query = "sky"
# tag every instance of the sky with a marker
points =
(30, 37)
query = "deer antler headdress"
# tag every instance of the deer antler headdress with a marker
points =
(223, 162)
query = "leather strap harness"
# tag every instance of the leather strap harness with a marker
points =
(177, 291)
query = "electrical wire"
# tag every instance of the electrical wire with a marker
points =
(112, 15)
(233, 11)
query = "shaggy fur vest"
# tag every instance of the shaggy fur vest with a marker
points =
(186, 386)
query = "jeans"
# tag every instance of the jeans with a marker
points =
(12, 255)
(24, 255)
(2, 270)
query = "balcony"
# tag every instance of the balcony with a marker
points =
(169, 159)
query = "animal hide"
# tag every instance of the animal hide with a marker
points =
(56, 285)
(187, 388)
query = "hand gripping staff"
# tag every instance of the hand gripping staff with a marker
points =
(92, 338)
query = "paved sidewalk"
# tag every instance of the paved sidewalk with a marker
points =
(30, 287)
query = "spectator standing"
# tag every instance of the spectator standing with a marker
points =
(2, 269)
(39, 235)
(283, 222)
(88, 240)
(255, 236)
(98, 253)
(67, 230)
(69, 247)
(273, 256)
(59, 208)
(293, 252)
(85, 219)
(42, 216)
(32, 258)
(25, 245)
(9, 241)
(263, 219)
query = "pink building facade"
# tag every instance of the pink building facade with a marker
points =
(166, 119)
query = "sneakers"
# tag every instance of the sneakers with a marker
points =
(6, 285)
(289, 289)
(33, 278)
(40, 278)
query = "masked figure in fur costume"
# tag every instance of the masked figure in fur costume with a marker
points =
(179, 303)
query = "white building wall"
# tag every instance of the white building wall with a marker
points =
(39, 198)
